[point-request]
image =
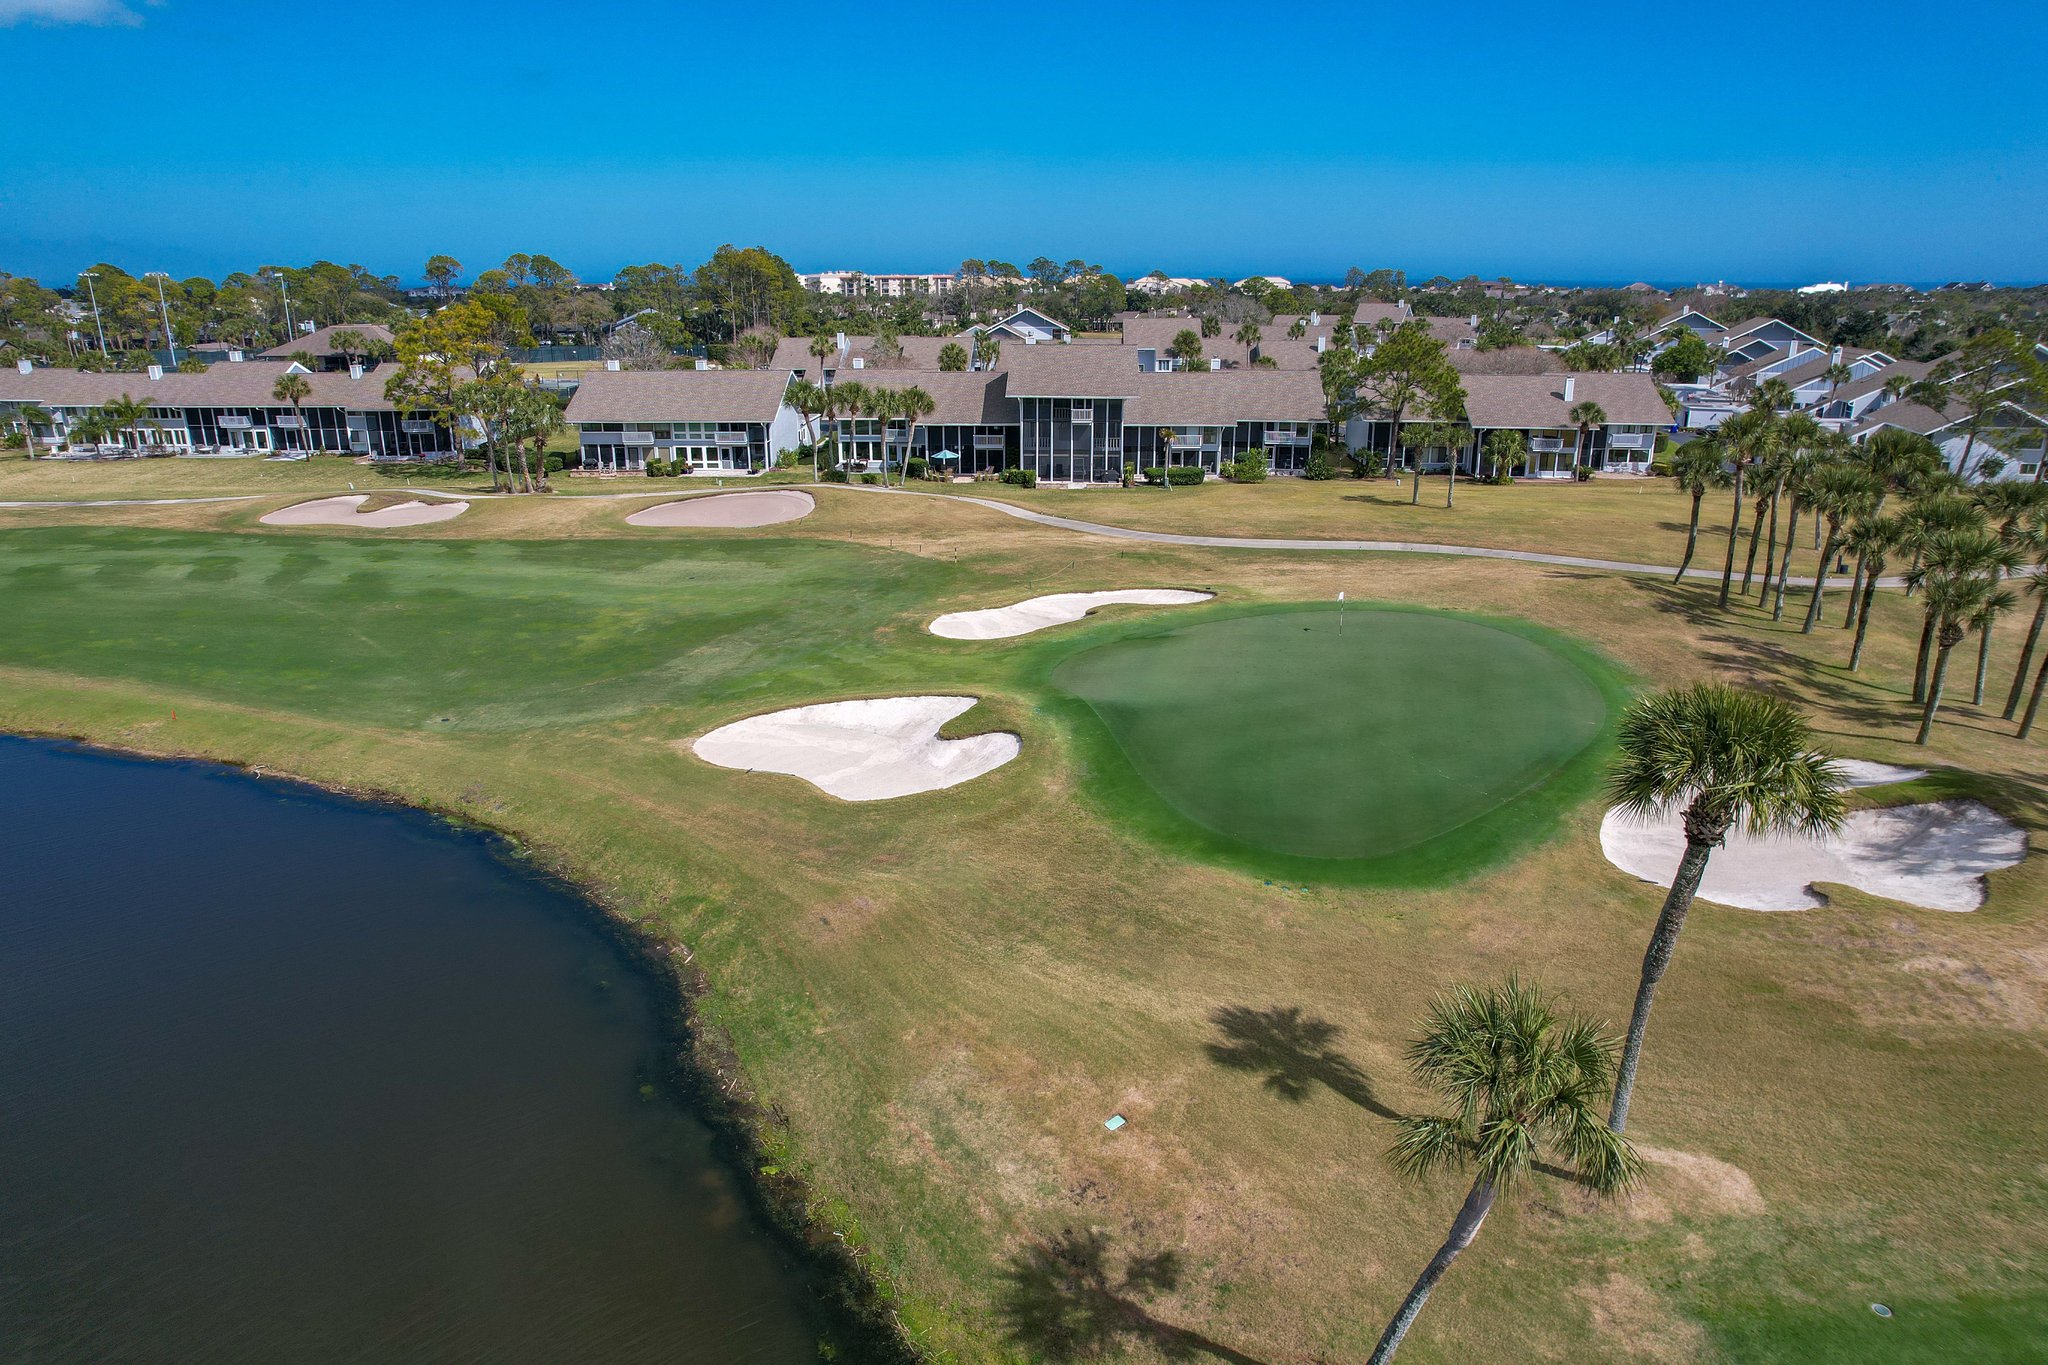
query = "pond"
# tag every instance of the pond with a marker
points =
(286, 1076)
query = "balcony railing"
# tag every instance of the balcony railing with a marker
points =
(1631, 441)
(1552, 445)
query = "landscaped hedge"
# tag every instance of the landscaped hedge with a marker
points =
(1022, 478)
(1178, 474)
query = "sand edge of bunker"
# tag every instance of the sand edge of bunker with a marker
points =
(732, 509)
(345, 510)
(1109, 781)
(862, 748)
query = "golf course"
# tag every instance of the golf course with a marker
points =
(1241, 846)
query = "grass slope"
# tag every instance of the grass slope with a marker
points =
(944, 996)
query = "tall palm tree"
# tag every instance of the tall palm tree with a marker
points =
(1726, 757)
(1962, 575)
(808, 401)
(294, 388)
(1837, 374)
(1943, 523)
(1870, 540)
(1837, 493)
(913, 405)
(1698, 467)
(1585, 416)
(1249, 337)
(987, 351)
(822, 348)
(28, 417)
(1897, 460)
(2035, 542)
(1517, 1078)
(849, 396)
(1808, 447)
(1747, 438)
(2034, 701)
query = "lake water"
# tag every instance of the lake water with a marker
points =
(286, 1077)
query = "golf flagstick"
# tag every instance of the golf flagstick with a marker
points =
(1340, 613)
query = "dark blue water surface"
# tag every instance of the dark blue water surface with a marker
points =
(286, 1077)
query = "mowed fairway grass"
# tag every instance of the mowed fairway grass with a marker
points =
(943, 997)
(1296, 733)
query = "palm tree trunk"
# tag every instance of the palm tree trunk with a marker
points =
(2034, 702)
(1756, 535)
(1685, 884)
(2019, 675)
(1785, 564)
(1863, 622)
(1820, 583)
(1464, 1228)
(1692, 538)
(1856, 592)
(1926, 653)
(1934, 694)
(1734, 530)
(1771, 545)
(1983, 662)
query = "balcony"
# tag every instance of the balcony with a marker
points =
(1553, 445)
(1637, 440)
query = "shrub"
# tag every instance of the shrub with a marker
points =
(655, 470)
(916, 467)
(1022, 478)
(871, 478)
(833, 476)
(1582, 472)
(1319, 466)
(1180, 475)
(1249, 467)
(554, 464)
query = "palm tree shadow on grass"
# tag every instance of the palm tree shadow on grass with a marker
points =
(1294, 1051)
(1063, 1301)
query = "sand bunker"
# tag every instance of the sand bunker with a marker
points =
(762, 508)
(1933, 855)
(861, 750)
(1037, 613)
(342, 511)
(1864, 772)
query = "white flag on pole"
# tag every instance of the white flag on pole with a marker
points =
(1340, 597)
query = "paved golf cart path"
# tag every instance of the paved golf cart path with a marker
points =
(1078, 527)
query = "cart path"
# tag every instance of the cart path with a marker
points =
(1071, 524)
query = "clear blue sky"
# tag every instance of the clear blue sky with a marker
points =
(1577, 141)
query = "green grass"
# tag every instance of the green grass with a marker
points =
(1402, 746)
(942, 997)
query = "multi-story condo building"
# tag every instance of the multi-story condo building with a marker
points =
(863, 284)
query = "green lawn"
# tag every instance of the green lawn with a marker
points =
(940, 998)
(1352, 747)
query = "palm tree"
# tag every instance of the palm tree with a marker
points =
(1897, 459)
(1585, 416)
(822, 348)
(1962, 573)
(2035, 541)
(1747, 438)
(1808, 446)
(1870, 540)
(1698, 467)
(1729, 758)
(28, 417)
(2034, 701)
(913, 405)
(1517, 1079)
(808, 401)
(294, 388)
(1931, 526)
(987, 351)
(1837, 493)
(1249, 337)
(849, 396)
(124, 414)
(1837, 374)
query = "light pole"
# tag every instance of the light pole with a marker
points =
(170, 341)
(291, 330)
(93, 294)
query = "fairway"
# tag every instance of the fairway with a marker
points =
(1284, 733)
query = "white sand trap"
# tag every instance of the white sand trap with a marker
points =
(861, 750)
(1865, 772)
(342, 511)
(1037, 613)
(1933, 855)
(762, 508)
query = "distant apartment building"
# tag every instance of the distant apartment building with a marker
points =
(865, 284)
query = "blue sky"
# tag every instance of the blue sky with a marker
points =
(1588, 141)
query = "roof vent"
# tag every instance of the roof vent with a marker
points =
(1322, 344)
(156, 372)
(612, 366)
(1569, 384)
(839, 339)
(355, 369)
(860, 362)
(1315, 319)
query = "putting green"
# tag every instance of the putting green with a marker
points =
(1278, 734)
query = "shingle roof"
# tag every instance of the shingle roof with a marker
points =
(1286, 353)
(1192, 397)
(1507, 360)
(1371, 312)
(244, 385)
(1910, 416)
(1856, 388)
(962, 398)
(1525, 402)
(1453, 332)
(679, 396)
(1750, 367)
(321, 342)
(919, 353)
